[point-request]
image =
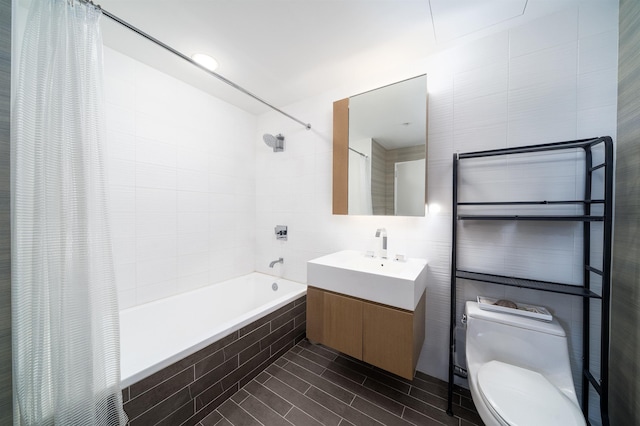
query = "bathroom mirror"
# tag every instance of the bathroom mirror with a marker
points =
(380, 151)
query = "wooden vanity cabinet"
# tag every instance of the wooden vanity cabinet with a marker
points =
(381, 335)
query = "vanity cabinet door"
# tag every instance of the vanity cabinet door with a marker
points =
(387, 340)
(335, 321)
(392, 338)
(343, 324)
(315, 315)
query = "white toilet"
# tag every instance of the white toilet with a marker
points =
(518, 369)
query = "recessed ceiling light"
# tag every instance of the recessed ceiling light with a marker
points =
(205, 60)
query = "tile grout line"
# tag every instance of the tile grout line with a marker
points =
(433, 395)
(281, 396)
(428, 417)
(222, 418)
(411, 385)
(414, 398)
(169, 415)
(327, 408)
(272, 410)
(403, 405)
(289, 410)
(362, 384)
(245, 398)
(352, 399)
(298, 377)
(310, 360)
(245, 411)
(361, 412)
(256, 419)
(304, 368)
(355, 395)
(158, 384)
(312, 345)
(327, 368)
(294, 405)
(160, 402)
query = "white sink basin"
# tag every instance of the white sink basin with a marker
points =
(386, 281)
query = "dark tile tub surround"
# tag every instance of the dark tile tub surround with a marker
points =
(187, 391)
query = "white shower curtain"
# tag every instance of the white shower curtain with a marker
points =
(365, 182)
(360, 200)
(66, 367)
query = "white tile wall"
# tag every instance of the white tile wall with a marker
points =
(182, 184)
(550, 80)
(553, 30)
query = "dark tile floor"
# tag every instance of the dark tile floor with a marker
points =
(312, 385)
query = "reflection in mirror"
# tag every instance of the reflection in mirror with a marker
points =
(387, 134)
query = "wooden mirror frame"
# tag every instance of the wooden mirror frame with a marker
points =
(341, 156)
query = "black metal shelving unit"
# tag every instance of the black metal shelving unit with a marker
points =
(605, 216)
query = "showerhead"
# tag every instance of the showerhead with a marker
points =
(275, 142)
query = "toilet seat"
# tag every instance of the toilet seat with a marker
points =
(519, 397)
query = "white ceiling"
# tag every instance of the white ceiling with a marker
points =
(288, 50)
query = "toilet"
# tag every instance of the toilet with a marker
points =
(518, 370)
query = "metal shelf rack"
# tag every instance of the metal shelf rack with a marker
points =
(584, 290)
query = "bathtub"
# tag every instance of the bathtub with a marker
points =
(157, 334)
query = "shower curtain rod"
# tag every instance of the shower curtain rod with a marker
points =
(191, 61)
(359, 153)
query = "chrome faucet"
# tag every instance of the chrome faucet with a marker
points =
(280, 260)
(381, 232)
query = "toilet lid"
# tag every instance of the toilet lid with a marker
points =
(524, 397)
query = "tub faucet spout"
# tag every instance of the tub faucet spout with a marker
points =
(280, 260)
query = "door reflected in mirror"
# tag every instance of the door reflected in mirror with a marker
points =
(384, 140)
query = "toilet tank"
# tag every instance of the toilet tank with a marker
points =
(525, 342)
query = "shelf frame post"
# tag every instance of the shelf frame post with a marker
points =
(452, 310)
(586, 282)
(606, 282)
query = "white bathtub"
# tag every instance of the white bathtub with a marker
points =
(159, 333)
